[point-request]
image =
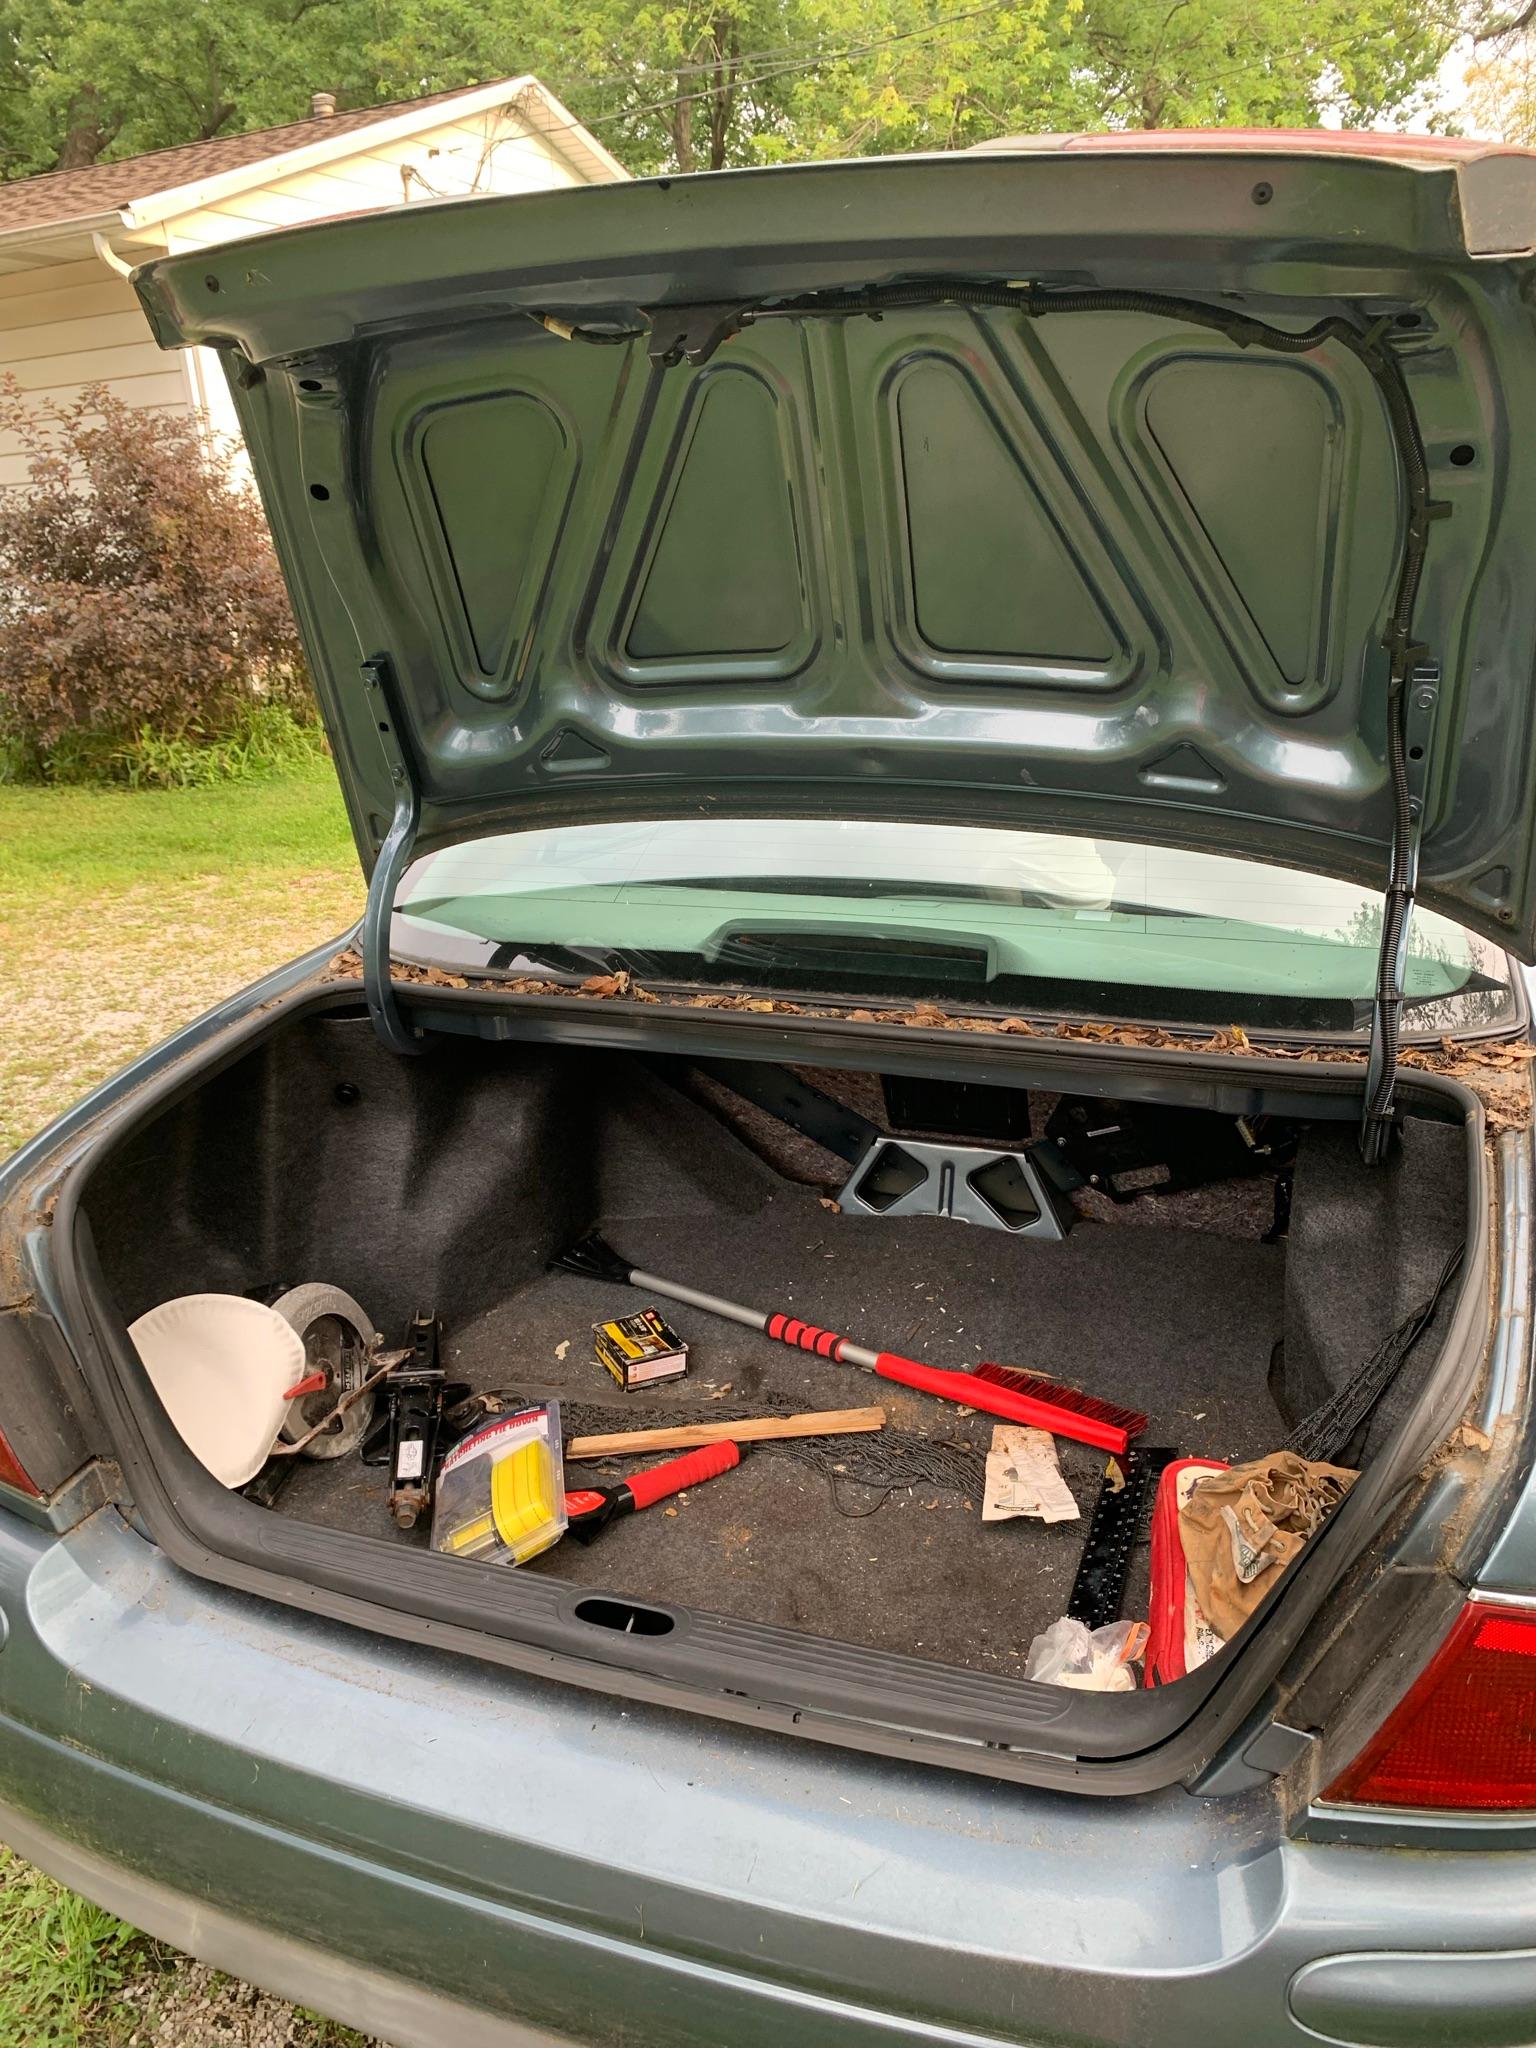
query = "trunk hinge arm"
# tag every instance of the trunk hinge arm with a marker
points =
(1413, 714)
(394, 857)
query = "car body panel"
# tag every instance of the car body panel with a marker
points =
(593, 586)
(595, 1872)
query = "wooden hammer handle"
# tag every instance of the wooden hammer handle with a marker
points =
(761, 1429)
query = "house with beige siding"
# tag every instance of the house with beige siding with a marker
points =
(68, 239)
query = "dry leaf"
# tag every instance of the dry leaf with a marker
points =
(1495, 1071)
(827, 1202)
(561, 1349)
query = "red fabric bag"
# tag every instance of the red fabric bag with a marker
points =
(1181, 1639)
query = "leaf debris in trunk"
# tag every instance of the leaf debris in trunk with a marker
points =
(1497, 1070)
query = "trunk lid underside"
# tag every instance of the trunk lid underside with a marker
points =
(1070, 560)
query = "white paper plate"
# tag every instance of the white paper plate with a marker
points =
(221, 1364)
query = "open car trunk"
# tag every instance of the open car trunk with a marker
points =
(915, 495)
(1227, 1309)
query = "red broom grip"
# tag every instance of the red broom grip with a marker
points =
(803, 1336)
(995, 1400)
(646, 1488)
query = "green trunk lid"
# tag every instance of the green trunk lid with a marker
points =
(1082, 566)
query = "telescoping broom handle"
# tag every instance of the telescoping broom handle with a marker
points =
(963, 1387)
(788, 1330)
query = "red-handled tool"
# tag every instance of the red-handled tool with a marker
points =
(1064, 1413)
(590, 1508)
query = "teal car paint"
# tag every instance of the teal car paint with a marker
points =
(414, 428)
(846, 497)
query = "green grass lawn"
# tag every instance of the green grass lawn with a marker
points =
(67, 1970)
(125, 913)
(73, 1977)
(65, 843)
(122, 915)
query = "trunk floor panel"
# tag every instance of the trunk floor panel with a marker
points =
(1180, 1323)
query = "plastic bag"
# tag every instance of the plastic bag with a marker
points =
(1091, 1659)
(500, 1493)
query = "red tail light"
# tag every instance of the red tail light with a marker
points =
(11, 1473)
(1465, 1735)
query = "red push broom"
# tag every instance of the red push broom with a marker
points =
(994, 1389)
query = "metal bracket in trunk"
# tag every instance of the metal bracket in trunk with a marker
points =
(1421, 698)
(971, 1183)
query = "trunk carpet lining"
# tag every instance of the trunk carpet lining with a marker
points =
(1180, 1323)
(448, 1182)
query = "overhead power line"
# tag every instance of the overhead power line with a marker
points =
(745, 79)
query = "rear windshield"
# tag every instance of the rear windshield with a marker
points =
(966, 917)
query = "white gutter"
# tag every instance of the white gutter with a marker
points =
(109, 255)
(57, 230)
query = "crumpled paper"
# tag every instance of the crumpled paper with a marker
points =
(1024, 1477)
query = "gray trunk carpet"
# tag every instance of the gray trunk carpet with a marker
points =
(1179, 1323)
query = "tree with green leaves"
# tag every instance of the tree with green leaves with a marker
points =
(84, 80)
(668, 86)
(1087, 64)
(702, 84)
(1500, 77)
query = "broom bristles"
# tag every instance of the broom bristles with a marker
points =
(1070, 1399)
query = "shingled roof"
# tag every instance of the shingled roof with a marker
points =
(56, 197)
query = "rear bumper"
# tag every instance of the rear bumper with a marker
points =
(380, 2003)
(440, 1852)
